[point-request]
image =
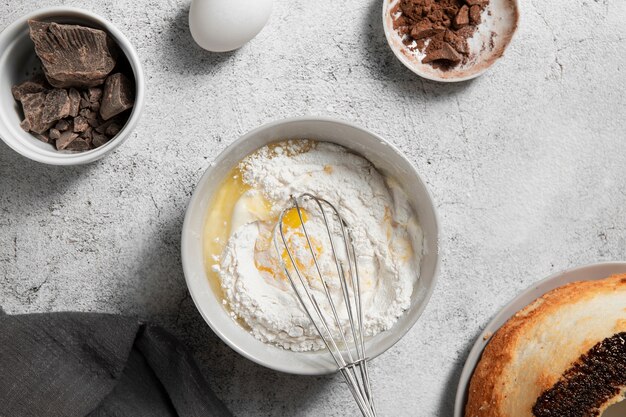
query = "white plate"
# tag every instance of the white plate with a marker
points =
(582, 273)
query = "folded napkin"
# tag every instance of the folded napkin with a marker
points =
(97, 365)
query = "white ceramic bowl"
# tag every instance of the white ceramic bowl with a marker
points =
(385, 157)
(582, 273)
(17, 63)
(501, 18)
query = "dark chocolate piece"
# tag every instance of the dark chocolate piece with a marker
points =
(78, 144)
(462, 17)
(99, 139)
(481, 3)
(36, 85)
(44, 138)
(118, 96)
(113, 129)
(94, 94)
(74, 101)
(62, 125)
(424, 29)
(56, 106)
(80, 124)
(73, 56)
(445, 53)
(66, 138)
(54, 134)
(34, 107)
(474, 15)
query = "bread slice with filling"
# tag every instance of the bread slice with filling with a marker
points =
(563, 355)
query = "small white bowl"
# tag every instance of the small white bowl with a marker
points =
(500, 17)
(582, 273)
(17, 63)
(386, 158)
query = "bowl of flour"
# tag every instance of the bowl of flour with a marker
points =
(234, 275)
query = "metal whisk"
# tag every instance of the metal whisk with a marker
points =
(347, 347)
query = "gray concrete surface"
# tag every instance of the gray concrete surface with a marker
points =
(527, 166)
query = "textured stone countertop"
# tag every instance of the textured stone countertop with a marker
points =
(527, 166)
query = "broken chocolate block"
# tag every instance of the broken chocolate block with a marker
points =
(34, 107)
(474, 15)
(73, 56)
(481, 3)
(78, 144)
(62, 125)
(424, 29)
(74, 101)
(457, 42)
(66, 138)
(54, 134)
(88, 133)
(43, 138)
(113, 129)
(93, 95)
(118, 96)
(462, 17)
(445, 53)
(80, 124)
(99, 139)
(56, 107)
(36, 85)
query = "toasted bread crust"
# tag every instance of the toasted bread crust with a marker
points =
(503, 381)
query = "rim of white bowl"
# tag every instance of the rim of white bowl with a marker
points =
(416, 69)
(598, 270)
(52, 157)
(215, 326)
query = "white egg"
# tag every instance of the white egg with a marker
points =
(225, 25)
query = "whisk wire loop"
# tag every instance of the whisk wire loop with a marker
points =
(352, 365)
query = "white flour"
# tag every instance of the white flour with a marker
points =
(388, 241)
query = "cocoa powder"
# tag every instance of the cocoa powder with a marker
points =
(438, 28)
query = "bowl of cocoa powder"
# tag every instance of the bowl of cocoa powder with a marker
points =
(449, 40)
(72, 86)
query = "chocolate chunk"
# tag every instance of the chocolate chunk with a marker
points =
(462, 17)
(74, 101)
(424, 29)
(118, 96)
(25, 124)
(66, 138)
(88, 133)
(99, 139)
(445, 53)
(94, 94)
(80, 124)
(36, 85)
(480, 3)
(56, 107)
(34, 107)
(89, 114)
(73, 56)
(474, 15)
(78, 144)
(113, 129)
(103, 126)
(54, 134)
(62, 125)
(459, 43)
(44, 138)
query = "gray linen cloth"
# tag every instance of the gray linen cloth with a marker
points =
(97, 365)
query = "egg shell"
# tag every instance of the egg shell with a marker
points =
(226, 25)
